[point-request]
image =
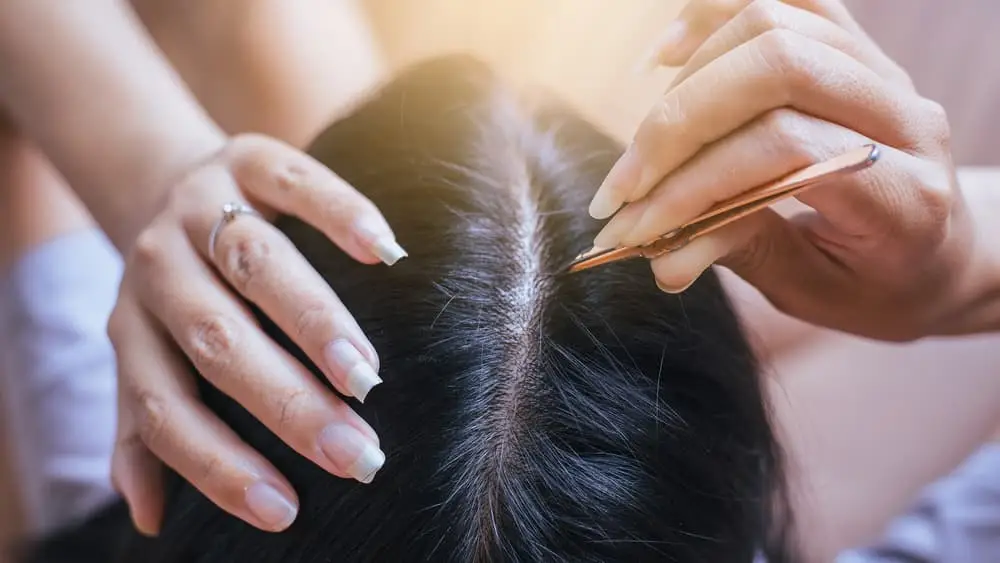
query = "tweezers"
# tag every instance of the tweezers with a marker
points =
(733, 209)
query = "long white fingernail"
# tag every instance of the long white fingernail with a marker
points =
(388, 250)
(376, 236)
(353, 370)
(368, 464)
(352, 452)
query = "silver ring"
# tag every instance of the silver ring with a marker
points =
(230, 212)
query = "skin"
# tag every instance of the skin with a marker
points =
(155, 178)
(891, 253)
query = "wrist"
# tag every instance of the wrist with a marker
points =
(973, 306)
(166, 158)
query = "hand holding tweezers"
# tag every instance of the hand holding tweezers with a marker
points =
(735, 208)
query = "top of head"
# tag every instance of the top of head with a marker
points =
(526, 416)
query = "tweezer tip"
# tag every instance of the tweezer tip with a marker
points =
(875, 153)
(576, 264)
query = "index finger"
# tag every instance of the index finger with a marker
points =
(296, 184)
(777, 69)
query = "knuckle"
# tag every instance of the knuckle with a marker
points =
(313, 321)
(290, 177)
(937, 124)
(667, 121)
(783, 51)
(937, 197)
(148, 251)
(213, 341)
(245, 146)
(292, 404)
(151, 414)
(763, 15)
(789, 130)
(246, 260)
(752, 255)
(211, 469)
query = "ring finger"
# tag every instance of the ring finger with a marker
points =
(160, 410)
(266, 268)
(233, 354)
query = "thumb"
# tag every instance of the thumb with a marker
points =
(764, 249)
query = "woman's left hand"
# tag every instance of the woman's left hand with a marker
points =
(768, 87)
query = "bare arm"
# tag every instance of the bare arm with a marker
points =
(86, 83)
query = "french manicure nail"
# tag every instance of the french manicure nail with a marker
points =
(388, 250)
(381, 242)
(354, 371)
(351, 452)
(271, 507)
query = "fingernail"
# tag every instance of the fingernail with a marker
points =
(388, 250)
(672, 37)
(604, 203)
(616, 186)
(351, 452)
(346, 362)
(270, 506)
(381, 241)
(675, 290)
(373, 355)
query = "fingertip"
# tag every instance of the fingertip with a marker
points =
(604, 204)
(666, 51)
(273, 509)
(674, 290)
(376, 240)
(388, 250)
(678, 270)
(146, 511)
(620, 225)
(138, 478)
(144, 525)
(624, 178)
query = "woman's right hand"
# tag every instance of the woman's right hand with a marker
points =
(768, 87)
(175, 299)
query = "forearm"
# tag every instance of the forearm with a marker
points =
(84, 81)
(975, 306)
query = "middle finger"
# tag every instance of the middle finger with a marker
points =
(767, 15)
(776, 69)
(266, 268)
(233, 354)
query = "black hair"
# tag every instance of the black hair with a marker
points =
(526, 414)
